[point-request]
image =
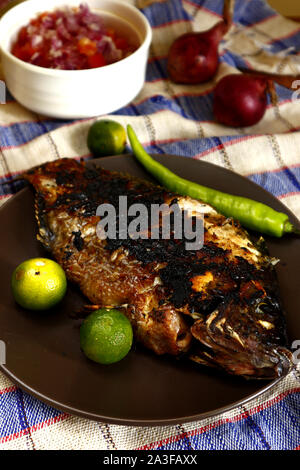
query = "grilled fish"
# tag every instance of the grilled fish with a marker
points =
(218, 305)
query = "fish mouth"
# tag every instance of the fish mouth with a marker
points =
(240, 347)
(284, 363)
(272, 364)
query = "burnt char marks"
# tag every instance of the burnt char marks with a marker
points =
(68, 254)
(78, 241)
(46, 236)
(177, 277)
(64, 178)
(82, 190)
(72, 201)
(86, 189)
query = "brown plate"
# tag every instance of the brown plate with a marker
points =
(43, 354)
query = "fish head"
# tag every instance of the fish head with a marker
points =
(245, 337)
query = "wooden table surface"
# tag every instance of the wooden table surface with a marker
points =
(290, 8)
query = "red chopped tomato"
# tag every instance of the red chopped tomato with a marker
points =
(23, 35)
(96, 60)
(62, 40)
(35, 22)
(87, 47)
(24, 52)
(111, 33)
(121, 43)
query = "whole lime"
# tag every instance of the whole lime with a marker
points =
(38, 284)
(106, 137)
(106, 336)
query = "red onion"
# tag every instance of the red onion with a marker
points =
(193, 57)
(240, 100)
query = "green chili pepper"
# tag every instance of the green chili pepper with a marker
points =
(251, 214)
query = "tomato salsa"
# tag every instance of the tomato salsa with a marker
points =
(71, 39)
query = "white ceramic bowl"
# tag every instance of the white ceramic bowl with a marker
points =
(74, 94)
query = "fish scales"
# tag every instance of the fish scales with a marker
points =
(218, 305)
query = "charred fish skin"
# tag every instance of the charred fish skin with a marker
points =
(219, 305)
(107, 275)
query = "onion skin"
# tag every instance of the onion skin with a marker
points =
(240, 100)
(193, 57)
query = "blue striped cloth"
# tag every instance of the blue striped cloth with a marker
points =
(176, 119)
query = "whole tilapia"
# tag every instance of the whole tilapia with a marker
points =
(218, 305)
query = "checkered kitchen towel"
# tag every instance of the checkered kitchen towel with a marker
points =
(175, 119)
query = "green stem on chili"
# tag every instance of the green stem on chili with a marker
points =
(251, 214)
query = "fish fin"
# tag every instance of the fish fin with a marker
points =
(45, 236)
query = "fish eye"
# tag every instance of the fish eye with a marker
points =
(267, 306)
